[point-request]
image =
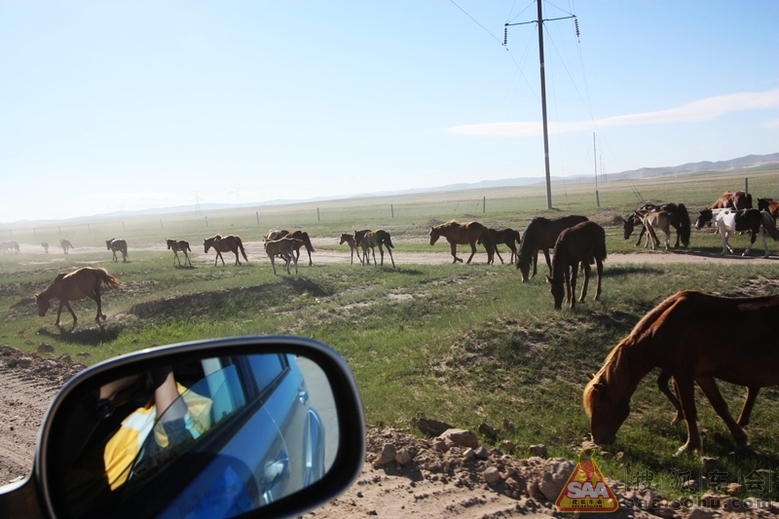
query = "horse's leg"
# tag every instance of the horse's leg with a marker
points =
(237, 260)
(685, 385)
(381, 251)
(499, 256)
(296, 266)
(96, 298)
(640, 235)
(743, 418)
(570, 284)
(599, 268)
(662, 384)
(667, 232)
(373, 253)
(453, 247)
(66, 304)
(725, 245)
(710, 389)
(473, 252)
(310, 263)
(272, 263)
(548, 261)
(586, 269)
(124, 256)
(391, 258)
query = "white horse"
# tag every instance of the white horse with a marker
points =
(730, 220)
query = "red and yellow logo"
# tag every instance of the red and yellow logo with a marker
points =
(586, 490)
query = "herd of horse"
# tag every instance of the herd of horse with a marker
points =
(689, 336)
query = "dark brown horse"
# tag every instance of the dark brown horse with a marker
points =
(117, 245)
(299, 235)
(507, 236)
(283, 247)
(65, 244)
(696, 337)
(463, 234)
(353, 247)
(680, 220)
(541, 234)
(582, 244)
(768, 204)
(737, 200)
(179, 246)
(81, 283)
(225, 244)
(379, 238)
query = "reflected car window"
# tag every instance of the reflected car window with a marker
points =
(265, 369)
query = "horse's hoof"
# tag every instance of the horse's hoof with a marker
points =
(685, 449)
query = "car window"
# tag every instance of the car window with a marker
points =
(265, 369)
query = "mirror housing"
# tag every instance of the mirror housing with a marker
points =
(43, 493)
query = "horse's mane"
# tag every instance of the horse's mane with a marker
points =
(615, 372)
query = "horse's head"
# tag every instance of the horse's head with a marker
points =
(627, 227)
(523, 264)
(606, 415)
(762, 204)
(434, 235)
(344, 239)
(168, 242)
(207, 244)
(43, 305)
(108, 244)
(704, 218)
(557, 290)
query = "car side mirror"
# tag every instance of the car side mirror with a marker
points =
(245, 426)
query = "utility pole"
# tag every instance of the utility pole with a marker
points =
(540, 21)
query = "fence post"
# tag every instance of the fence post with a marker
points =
(746, 185)
(317, 215)
(392, 210)
(484, 204)
(123, 229)
(161, 226)
(206, 222)
(257, 214)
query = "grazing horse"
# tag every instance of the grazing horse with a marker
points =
(65, 244)
(509, 237)
(45, 247)
(179, 246)
(81, 283)
(768, 204)
(225, 244)
(581, 244)
(541, 234)
(695, 337)
(737, 200)
(285, 248)
(117, 245)
(371, 239)
(680, 220)
(729, 221)
(300, 235)
(353, 247)
(463, 234)
(9, 247)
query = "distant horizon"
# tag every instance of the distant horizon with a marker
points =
(772, 158)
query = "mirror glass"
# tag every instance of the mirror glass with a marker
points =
(211, 437)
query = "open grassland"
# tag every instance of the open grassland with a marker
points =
(462, 344)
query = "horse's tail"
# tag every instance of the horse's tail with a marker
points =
(387, 240)
(685, 226)
(307, 243)
(769, 225)
(240, 246)
(107, 279)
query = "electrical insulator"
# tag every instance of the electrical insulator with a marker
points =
(505, 35)
(576, 24)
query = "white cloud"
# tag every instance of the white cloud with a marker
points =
(773, 125)
(702, 110)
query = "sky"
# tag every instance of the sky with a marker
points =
(109, 105)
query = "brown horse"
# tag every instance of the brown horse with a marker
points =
(285, 248)
(300, 235)
(371, 239)
(65, 244)
(509, 237)
(695, 337)
(117, 245)
(581, 244)
(652, 220)
(737, 200)
(81, 283)
(225, 244)
(179, 246)
(353, 247)
(541, 234)
(768, 204)
(463, 234)
(680, 220)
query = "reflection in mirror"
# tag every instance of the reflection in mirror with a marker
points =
(212, 437)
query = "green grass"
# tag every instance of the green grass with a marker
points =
(462, 344)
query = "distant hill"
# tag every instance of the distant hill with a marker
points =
(748, 162)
